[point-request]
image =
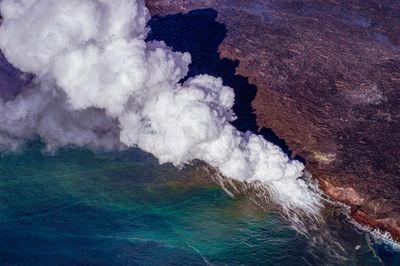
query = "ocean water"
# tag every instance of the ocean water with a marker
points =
(78, 207)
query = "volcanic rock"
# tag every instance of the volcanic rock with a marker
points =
(328, 82)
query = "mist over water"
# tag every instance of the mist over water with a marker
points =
(99, 84)
(89, 77)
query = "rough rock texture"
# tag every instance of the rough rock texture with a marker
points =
(328, 82)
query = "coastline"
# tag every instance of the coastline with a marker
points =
(382, 228)
(317, 99)
(285, 126)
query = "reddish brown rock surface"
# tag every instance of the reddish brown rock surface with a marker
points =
(328, 82)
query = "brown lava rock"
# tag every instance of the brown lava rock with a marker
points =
(328, 82)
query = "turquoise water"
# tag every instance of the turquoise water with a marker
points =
(77, 207)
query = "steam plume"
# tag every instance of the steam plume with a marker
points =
(98, 83)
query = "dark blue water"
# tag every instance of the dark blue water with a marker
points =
(80, 208)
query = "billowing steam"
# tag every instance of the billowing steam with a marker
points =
(98, 83)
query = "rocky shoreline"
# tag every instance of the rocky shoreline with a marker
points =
(328, 76)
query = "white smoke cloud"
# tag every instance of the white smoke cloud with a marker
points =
(100, 84)
(34, 112)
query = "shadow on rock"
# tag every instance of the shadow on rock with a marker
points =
(198, 33)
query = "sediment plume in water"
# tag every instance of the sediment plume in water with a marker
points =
(99, 84)
(300, 220)
(318, 230)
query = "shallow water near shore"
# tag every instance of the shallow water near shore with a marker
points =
(77, 207)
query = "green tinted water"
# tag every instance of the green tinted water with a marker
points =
(77, 207)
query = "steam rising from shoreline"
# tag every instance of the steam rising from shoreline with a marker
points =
(100, 84)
